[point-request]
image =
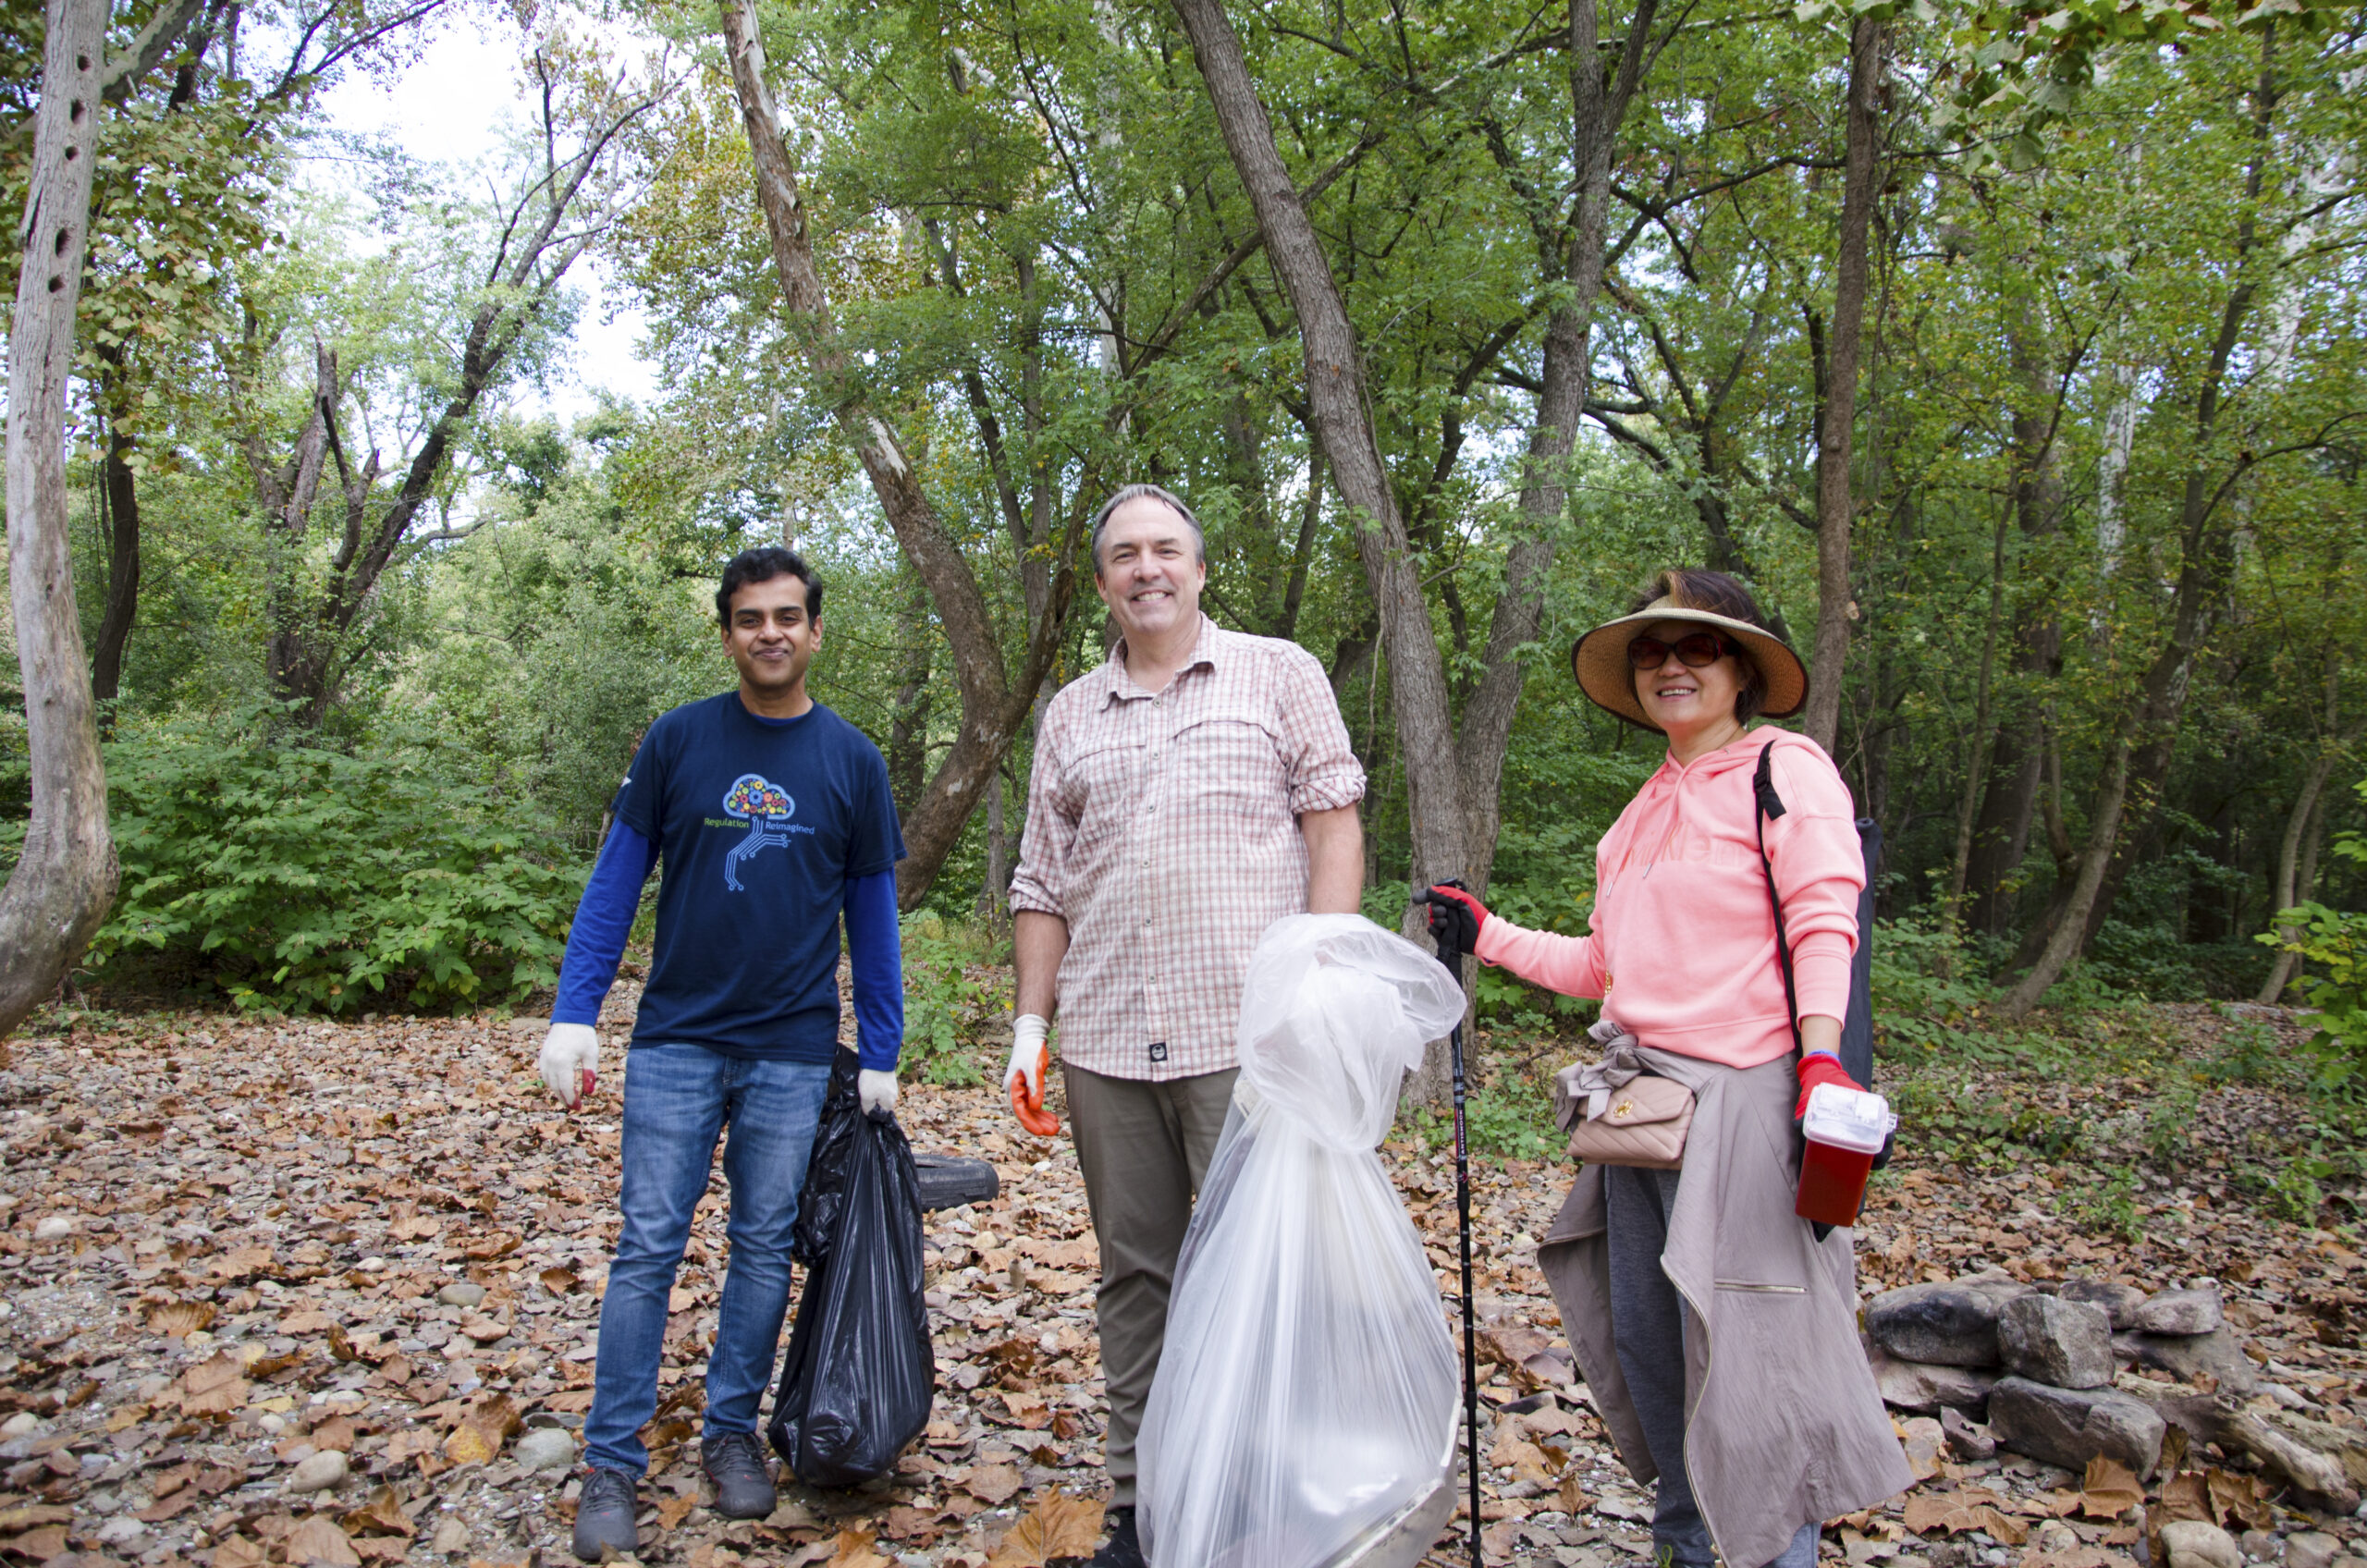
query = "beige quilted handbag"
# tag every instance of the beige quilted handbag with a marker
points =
(1642, 1122)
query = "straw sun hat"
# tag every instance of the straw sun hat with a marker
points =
(1599, 660)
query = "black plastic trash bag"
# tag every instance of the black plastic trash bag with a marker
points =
(861, 1373)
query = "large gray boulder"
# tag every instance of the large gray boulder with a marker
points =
(1953, 1323)
(2184, 1356)
(2193, 1311)
(1922, 1388)
(2070, 1426)
(2068, 1343)
(2118, 1301)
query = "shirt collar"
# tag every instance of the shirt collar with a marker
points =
(1204, 655)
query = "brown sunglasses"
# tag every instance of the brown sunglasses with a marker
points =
(1695, 650)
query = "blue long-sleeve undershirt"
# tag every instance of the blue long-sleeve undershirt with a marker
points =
(604, 917)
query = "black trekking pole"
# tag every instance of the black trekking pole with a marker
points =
(1443, 931)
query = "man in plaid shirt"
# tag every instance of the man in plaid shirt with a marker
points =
(1189, 793)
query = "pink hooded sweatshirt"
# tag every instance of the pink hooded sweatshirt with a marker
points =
(1683, 950)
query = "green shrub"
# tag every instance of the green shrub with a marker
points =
(300, 878)
(1927, 992)
(948, 1016)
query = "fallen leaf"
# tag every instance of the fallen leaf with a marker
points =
(238, 1551)
(175, 1319)
(2239, 1499)
(992, 1484)
(40, 1545)
(852, 1548)
(381, 1511)
(673, 1511)
(1058, 1527)
(2109, 1490)
(318, 1539)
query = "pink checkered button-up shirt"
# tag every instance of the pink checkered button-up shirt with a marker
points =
(1163, 826)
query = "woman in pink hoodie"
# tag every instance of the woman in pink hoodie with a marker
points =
(1682, 952)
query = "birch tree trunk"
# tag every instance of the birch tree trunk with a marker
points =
(63, 884)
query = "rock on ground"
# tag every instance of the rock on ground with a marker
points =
(2067, 1343)
(1953, 1323)
(318, 1472)
(546, 1448)
(1923, 1388)
(2195, 1543)
(2193, 1311)
(2184, 1356)
(2311, 1548)
(2070, 1426)
(2117, 1301)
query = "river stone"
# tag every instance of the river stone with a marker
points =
(2068, 1343)
(462, 1292)
(544, 1448)
(2311, 1548)
(1953, 1323)
(1924, 1388)
(2070, 1426)
(2197, 1543)
(2118, 1301)
(2184, 1355)
(1970, 1441)
(319, 1472)
(2195, 1311)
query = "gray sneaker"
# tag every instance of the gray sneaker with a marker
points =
(603, 1516)
(743, 1483)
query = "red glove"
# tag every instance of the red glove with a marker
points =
(1816, 1068)
(1469, 915)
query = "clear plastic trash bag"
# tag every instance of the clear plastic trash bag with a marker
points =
(1306, 1411)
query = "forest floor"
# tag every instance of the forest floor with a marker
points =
(227, 1245)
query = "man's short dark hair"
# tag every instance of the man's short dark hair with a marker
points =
(762, 565)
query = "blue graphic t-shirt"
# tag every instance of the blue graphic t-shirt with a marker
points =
(759, 825)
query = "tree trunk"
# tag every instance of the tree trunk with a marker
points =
(907, 748)
(1453, 780)
(120, 513)
(64, 881)
(1983, 731)
(2300, 828)
(2008, 780)
(993, 705)
(1337, 400)
(1835, 511)
(1598, 107)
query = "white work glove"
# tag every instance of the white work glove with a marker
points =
(1028, 1037)
(876, 1090)
(571, 1059)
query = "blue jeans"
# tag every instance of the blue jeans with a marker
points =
(679, 1098)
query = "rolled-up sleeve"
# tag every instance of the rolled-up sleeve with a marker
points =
(1040, 882)
(1324, 773)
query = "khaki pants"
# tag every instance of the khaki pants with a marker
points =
(1144, 1148)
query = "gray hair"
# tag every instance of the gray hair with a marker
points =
(1136, 493)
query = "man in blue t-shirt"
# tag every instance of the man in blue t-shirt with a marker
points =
(772, 817)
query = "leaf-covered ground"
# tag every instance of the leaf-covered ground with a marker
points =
(229, 1248)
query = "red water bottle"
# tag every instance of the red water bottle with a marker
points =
(1845, 1128)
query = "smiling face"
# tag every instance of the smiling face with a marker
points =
(1684, 701)
(1149, 571)
(771, 638)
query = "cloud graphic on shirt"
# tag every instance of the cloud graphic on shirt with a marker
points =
(766, 807)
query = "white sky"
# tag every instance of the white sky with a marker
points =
(446, 108)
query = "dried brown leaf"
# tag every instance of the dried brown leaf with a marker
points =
(318, 1539)
(1057, 1528)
